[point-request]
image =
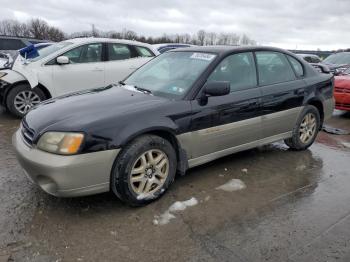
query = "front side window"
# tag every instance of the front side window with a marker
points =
(238, 69)
(273, 68)
(171, 74)
(118, 52)
(143, 51)
(85, 54)
(298, 68)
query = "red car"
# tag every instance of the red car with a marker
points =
(342, 91)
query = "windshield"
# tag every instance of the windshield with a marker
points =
(171, 74)
(44, 52)
(338, 59)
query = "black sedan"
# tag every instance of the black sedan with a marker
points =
(184, 108)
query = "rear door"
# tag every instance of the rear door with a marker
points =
(283, 91)
(85, 70)
(232, 120)
(123, 59)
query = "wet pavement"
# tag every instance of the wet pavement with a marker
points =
(276, 205)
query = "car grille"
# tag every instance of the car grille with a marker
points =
(342, 90)
(27, 133)
(347, 106)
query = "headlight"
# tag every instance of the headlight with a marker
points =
(60, 142)
(2, 74)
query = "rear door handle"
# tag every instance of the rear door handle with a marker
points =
(97, 69)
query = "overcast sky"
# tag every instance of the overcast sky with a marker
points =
(290, 24)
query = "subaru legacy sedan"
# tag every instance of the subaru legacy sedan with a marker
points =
(182, 109)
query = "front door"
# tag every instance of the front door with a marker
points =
(85, 70)
(225, 122)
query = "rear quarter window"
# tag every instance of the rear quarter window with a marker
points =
(144, 51)
(297, 66)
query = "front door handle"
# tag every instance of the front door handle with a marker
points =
(97, 69)
(300, 92)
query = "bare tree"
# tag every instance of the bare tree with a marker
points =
(211, 38)
(40, 29)
(201, 37)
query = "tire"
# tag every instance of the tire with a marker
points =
(298, 141)
(142, 187)
(22, 91)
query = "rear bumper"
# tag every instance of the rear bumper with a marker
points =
(342, 101)
(66, 176)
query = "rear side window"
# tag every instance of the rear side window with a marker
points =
(238, 69)
(144, 51)
(298, 68)
(11, 44)
(273, 68)
(118, 52)
(85, 54)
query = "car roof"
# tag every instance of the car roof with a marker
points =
(304, 55)
(225, 49)
(109, 40)
(171, 44)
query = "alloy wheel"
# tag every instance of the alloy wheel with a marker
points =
(25, 100)
(149, 172)
(307, 128)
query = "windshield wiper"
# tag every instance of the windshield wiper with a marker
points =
(145, 90)
(141, 89)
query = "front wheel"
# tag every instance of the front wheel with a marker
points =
(144, 170)
(306, 129)
(22, 98)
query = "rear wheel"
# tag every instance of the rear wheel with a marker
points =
(144, 170)
(306, 129)
(22, 98)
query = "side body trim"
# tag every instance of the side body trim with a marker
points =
(210, 157)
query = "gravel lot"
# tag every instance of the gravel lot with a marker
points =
(276, 205)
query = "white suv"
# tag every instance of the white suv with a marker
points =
(69, 66)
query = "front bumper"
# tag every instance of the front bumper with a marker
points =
(342, 100)
(66, 176)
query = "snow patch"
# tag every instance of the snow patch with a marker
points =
(346, 144)
(176, 207)
(232, 185)
(148, 196)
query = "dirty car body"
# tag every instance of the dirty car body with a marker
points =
(216, 105)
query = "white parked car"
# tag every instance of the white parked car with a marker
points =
(69, 66)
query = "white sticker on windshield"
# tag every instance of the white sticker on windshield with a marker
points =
(203, 56)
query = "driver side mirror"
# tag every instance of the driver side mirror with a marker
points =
(62, 60)
(217, 88)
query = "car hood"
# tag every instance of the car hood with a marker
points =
(342, 81)
(334, 66)
(75, 111)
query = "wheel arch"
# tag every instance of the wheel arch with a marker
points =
(40, 86)
(319, 105)
(45, 91)
(169, 135)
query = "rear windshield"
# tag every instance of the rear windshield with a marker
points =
(338, 59)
